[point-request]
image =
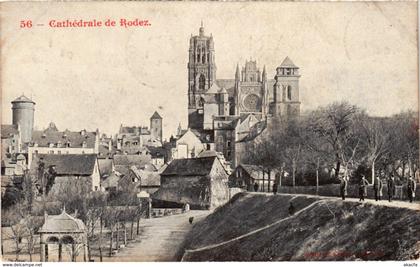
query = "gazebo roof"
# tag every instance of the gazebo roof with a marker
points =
(62, 223)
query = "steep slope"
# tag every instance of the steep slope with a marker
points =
(321, 229)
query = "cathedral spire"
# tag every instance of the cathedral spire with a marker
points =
(264, 75)
(202, 29)
(237, 74)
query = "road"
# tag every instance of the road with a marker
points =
(161, 238)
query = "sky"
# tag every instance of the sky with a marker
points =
(88, 78)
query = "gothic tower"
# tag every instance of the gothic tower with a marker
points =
(201, 75)
(286, 102)
(156, 126)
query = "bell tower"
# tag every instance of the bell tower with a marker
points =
(286, 102)
(201, 75)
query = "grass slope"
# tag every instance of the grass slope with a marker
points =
(329, 230)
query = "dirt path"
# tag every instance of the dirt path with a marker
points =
(384, 202)
(160, 238)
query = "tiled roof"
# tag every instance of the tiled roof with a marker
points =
(134, 130)
(156, 116)
(130, 160)
(202, 135)
(254, 171)
(75, 139)
(62, 223)
(111, 181)
(68, 164)
(105, 166)
(254, 131)
(287, 62)
(190, 167)
(8, 130)
(146, 178)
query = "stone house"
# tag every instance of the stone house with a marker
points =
(245, 176)
(52, 141)
(200, 182)
(72, 166)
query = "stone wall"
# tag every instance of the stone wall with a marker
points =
(352, 191)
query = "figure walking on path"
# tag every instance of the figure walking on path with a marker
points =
(411, 188)
(291, 209)
(377, 187)
(391, 188)
(256, 187)
(343, 187)
(275, 188)
(363, 188)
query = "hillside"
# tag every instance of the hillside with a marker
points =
(321, 229)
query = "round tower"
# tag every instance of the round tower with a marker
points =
(23, 110)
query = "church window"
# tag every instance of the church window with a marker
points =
(201, 82)
(228, 143)
(289, 92)
(201, 102)
(208, 57)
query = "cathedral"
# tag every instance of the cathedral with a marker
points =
(226, 112)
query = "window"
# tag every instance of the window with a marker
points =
(289, 92)
(59, 152)
(220, 139)
(208, 146)
(51, 151)
(201, 82)
(228, 154)
(228, 143)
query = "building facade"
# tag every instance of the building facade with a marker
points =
(219, 107)
(53, 141)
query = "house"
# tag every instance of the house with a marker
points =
(145, 180)
(106, 167)
(200, 182)
(189, 145)
(111, 182)
(122, 163)
(245, 176)
(53, 141)
(71, 166)
(10, 140)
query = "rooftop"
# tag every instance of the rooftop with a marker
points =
(22, 99)
(190, 167)
(62, 223)
(68, 164)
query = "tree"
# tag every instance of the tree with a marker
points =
(335, 125)
(14, 218)
(32, 225)
(375, 138)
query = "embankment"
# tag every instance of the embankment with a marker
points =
(257, 227)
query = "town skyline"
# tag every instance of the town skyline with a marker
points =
(78, 80)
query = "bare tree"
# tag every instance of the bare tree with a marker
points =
(335, 125)
(14, 219)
